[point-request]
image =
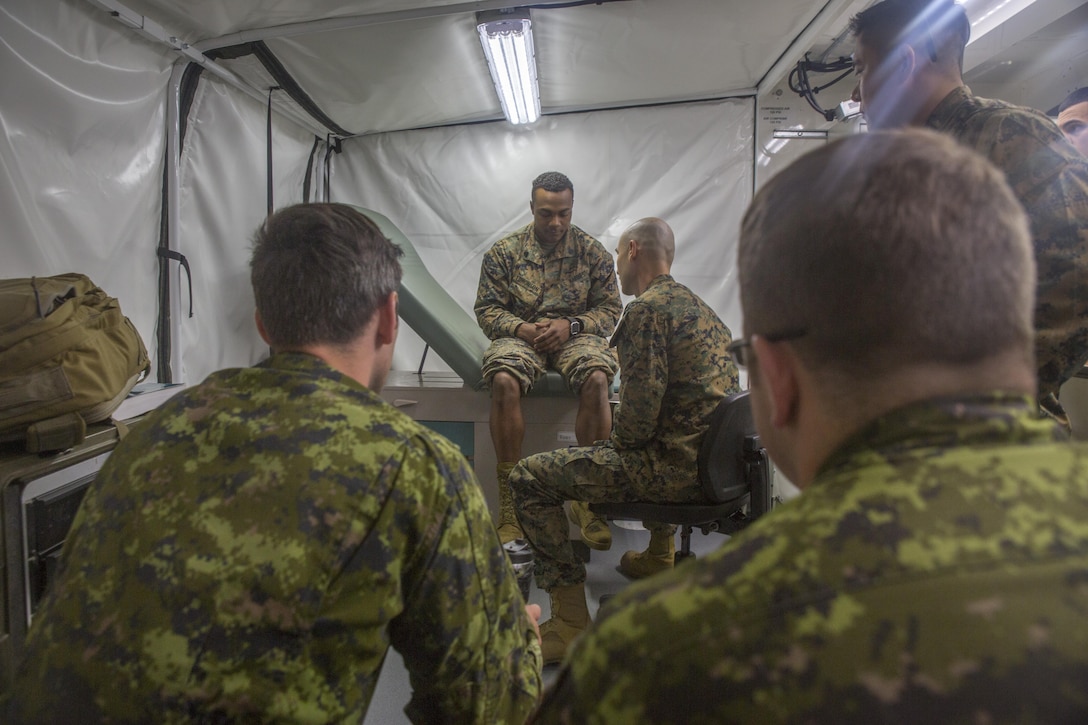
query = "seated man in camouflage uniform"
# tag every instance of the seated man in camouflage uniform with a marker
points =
(909, 63)
(672, 350)
(547, 299)
(934, 567)
(252, 548)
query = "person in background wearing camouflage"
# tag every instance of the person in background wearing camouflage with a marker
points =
(933, 568)
(909, 60)
(676, 369)
(253, 547)
(547, 299)
(1073, 119)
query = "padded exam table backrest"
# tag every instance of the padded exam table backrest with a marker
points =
(442, 323)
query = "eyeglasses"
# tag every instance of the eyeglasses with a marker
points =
(931, 47)
(739, 348)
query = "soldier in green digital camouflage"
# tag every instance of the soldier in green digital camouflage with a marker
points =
(909, 59)
(252, 549)
(935, 566)
(675, 371)
(547, 299)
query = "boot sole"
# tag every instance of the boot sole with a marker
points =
(595, 544)
(640, 576)
(636, 575)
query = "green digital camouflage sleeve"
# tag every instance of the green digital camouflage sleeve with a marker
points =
(603, 304)
(493, 298)
(642, 342)
(469, 647)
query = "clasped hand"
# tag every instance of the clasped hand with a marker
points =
(546, 335)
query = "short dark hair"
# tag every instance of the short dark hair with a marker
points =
(319, 273)
(552, 181)
(889, 249)
(1078, 96)
(942, 25)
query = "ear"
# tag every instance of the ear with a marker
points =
(260, 328)
(777, 368)
(387, 320)
(632, 249)
(903, 64)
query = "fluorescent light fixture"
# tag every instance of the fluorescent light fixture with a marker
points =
(507, 39)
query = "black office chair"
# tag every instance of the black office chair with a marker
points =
(734, 471)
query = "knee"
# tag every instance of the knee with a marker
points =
(505, 387)
(529, 483)
(523, 485)
(595, 386)
(518, 478)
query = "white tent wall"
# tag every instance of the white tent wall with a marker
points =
(223, 199)
(82, 144)
(455, 191)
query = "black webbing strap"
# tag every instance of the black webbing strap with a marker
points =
(179, 257)
(310, 170)
(269, 169)
(327, 169)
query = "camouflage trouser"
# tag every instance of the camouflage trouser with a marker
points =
(542, 482)
(575, 360)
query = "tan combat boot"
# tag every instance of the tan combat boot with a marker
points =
(657, 557)
(595, 532)
(509, 528)
(570, 617)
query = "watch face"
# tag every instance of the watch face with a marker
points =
(575, 327)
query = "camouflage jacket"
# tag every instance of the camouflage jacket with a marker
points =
(674, 372)
(1050, 178)
(935, 571)
(250, 551)
(518, 283)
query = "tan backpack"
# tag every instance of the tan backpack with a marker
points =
(68, 357)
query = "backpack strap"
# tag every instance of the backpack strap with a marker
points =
(56, 434)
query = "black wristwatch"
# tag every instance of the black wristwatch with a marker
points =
(575, 326)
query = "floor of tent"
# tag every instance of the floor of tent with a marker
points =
(602, 578)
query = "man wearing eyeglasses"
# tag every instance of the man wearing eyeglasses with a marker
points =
(934, 567)
(909, 63)
(674, 372)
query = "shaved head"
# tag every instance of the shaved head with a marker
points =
(654, 238)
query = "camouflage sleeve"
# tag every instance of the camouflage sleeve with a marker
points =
(493, 300)
(603, 305)
(1060, 227)
(1051, 180)
(644, 376)
(469, 647)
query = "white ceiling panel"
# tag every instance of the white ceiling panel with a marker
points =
(393, 71)
(649, 50)
(199, 20)
(397, 76)
(406, 64)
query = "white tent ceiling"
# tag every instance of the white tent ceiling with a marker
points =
(386, 65)
(403, 65)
